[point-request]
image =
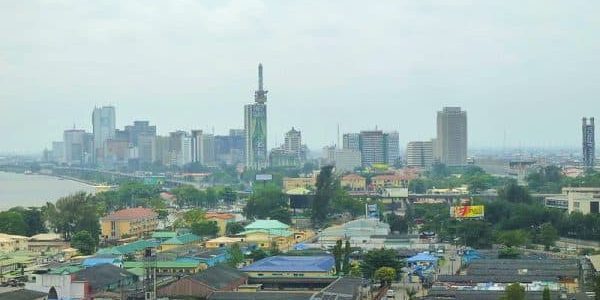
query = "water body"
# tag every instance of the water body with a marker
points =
(35, 190)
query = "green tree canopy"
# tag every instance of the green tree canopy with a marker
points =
(74, 213)
(377, 258)
(12, 222)
(514, 292)
(513, 238)
(386, 275)
(267, 201)
(84, 243)
(205, 229)
(236, 256)
(327, 185)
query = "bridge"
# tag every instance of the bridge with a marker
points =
(83, 174)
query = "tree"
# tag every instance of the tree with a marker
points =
(546, 294)
(189, 195)
(338, 252)
(228, 195)
(74, 213)
(397, 223)
(513, 192)
(513, 238)
(346, 260)
(514, 292)
(257, 254)
(386, 275)
(326, 187)
(377, 258)
(236, 256)
(205, 228)
(83, 242)
(267, 202)
(190, 217)
(234, 228)
(548, 235)
(34, 219)
(12, 223)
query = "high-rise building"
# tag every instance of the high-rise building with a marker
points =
(452, 136)
(74, 141)
(372, 147)
(161, 153)
(104, 126)
(141, 137)
(138, 129)
(391, 141)
(203, 148)
(344, 160)
(351, 141)
(293, 142)
(255, 126)
(419, 154)
(589, 143)
(58, 152)
(229, 149)
(180, 148)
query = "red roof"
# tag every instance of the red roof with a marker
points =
(132, 214)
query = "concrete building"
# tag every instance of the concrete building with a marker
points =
(452, 136)
(203, 148)
(180, 148)
(104, 126)
(354, 182)
(346, 160)
(255, 126)
(351, 141)
(58, 152)
(230, 149)
(129, 222)
(391, 142)
(585, 200)
(588, 143)
(293, 142)
(74, 144)
(161, 152)
(419, 154)
(372, 147)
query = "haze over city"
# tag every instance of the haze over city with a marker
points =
(524, 71)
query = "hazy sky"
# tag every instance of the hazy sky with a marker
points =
(530, 69)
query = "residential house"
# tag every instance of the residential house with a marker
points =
(129, 222)
(354, 182)
(47, 243)
(77, 282)
(187, 239)
(170, 267)
(11, 243)
(203, 284)
(292, 271)
(223, 241)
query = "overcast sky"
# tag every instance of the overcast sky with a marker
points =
(525, 69)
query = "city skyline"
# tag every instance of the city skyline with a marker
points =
(518, 86)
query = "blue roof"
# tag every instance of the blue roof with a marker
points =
(323, 263)
(422, 257)
(95, 261)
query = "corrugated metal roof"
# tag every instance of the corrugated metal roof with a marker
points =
(292, 264)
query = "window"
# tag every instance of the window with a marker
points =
(576, 204)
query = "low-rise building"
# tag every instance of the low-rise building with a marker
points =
(187, 239)
(76, 282)
(357, 232)
(390, 180)
(129, 222)
(222, 219)
(576, 199)
(222, 242)
(11, 243)
(170, 267)
(288, 271)
(299, 182)
(203, 284)
(354, 182)
(47, 243)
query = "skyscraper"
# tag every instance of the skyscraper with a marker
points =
(452, 136)
(351, 141)
(104, 126)
(372, 147)
(293, 142)
(391, 142)
(74, 141)
(419, 154)
(589, 144)
(255, 125)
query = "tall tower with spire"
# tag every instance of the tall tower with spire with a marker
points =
(255, 125)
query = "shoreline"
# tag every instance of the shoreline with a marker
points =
(89, 183)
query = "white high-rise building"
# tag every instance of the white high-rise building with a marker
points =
(104, 127)
(419, 154)
(74, 141)
(452, 136)
(351, 141)
(293, 142)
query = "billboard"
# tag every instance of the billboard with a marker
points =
(467, 211)
(372, 211)
(258, 133)
(264, 177)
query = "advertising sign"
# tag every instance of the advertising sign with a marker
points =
(264, 177)
(467, 211)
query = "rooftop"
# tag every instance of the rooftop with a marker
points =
(132, 214)
(22, 295)
(184, 239)
(128, 248)
(164, 234)
(221, 216)
(219, 276)
(102, 275)
(262, 295)
(282, 263)
(266, 224)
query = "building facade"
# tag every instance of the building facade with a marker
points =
(452, 136)
(419, 154)
(255, 126)
(74, 141)
(372, 147)
(588, 143)
(129, 222)
(351, 141)
(391, 142)
(104, 127)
